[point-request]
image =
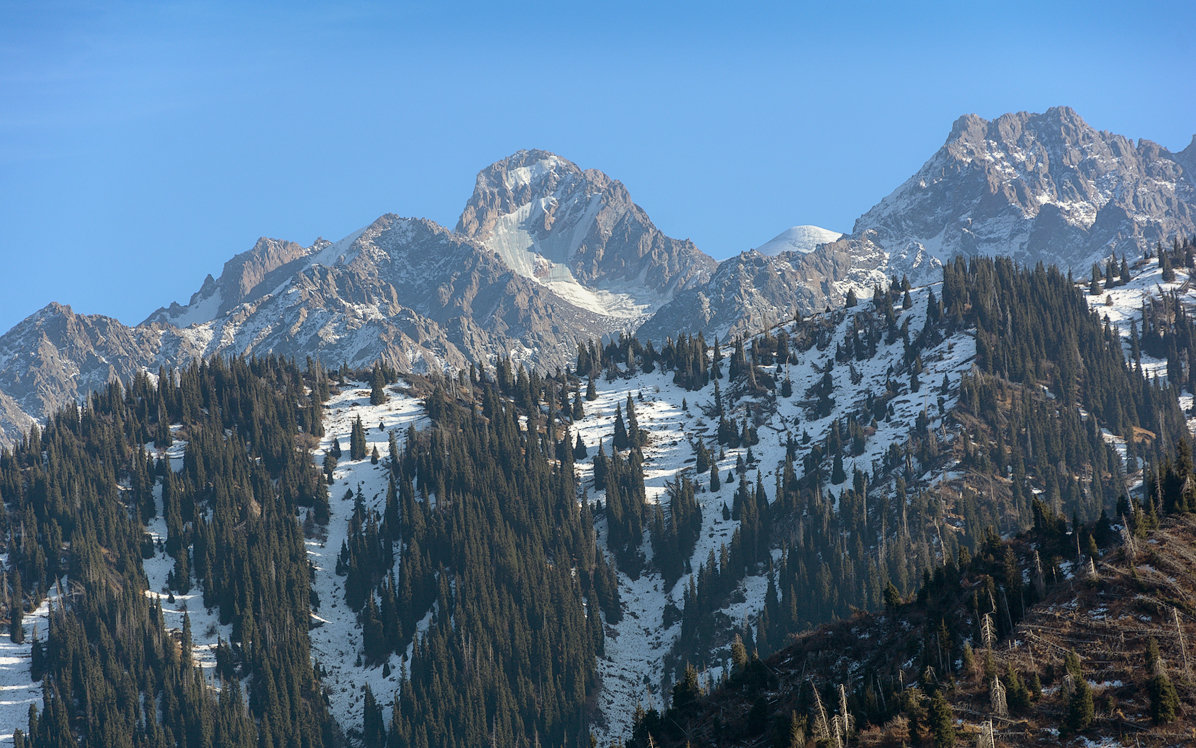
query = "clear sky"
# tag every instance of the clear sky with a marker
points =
(143, 144)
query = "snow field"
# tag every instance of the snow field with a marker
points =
(336, 639)
(17, 690)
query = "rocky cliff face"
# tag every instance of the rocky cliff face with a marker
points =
(1036, 187)
(410, 292)
(244, 278)
(56, 356)
(746, 293)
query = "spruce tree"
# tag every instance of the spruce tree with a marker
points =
(1164, 701)
(377, 386)
(1080, 710)
(357, 447)
(837, 474)
(942, 721)
(621, 439)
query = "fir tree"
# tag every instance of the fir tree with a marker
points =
(621, 439)
(1080, 710)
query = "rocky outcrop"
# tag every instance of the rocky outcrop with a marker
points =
(56, 356)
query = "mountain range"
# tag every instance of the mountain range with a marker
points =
(547, 255)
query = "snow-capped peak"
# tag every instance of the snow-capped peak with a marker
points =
(802, 239)
(577, 233)
(531, 170)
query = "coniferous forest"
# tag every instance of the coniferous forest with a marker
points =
(77, 495)
(495, 567)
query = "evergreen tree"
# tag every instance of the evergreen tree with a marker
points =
(377, 386)
(1080, 710)
(357, 446)
(1164, 701)
(837, 474)
(621, 438)
(942, 721)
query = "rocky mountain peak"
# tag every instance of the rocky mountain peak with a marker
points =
(579, 233)
(506, 185)
(1035, 186)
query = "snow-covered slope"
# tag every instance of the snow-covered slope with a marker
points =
(336, 638)
(206, 629)
(18, 691)
(1121, 305)
(798, 239)
(636, 647)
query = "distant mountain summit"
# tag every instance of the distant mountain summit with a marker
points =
(1035, 187)
(545, 256)
(798, 239)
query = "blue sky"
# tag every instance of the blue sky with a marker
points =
(143, 144)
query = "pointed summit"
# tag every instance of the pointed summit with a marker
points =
(579, 233)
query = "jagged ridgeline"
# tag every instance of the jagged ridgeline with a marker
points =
(77, 497)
